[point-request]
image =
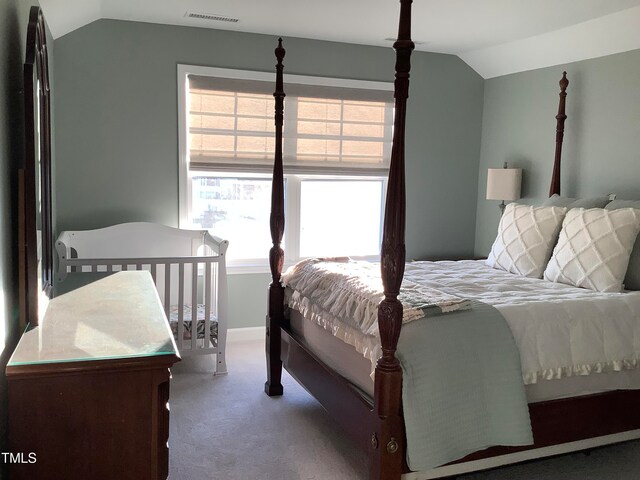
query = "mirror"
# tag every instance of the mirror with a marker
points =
(37, 227)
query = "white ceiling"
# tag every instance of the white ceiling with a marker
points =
(495, 37)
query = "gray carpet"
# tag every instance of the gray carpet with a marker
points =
(226, 428)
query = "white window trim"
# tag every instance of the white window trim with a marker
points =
(292, 213)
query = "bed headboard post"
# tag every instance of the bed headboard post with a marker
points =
(388, 375)
(560, 118)
(276, 254)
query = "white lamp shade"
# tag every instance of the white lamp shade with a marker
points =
(504, 183)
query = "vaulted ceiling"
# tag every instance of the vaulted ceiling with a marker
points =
(495, 37)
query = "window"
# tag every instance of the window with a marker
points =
(234, 208)
(347, 221)
(337, 140)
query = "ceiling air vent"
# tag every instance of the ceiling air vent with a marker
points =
(210, 16)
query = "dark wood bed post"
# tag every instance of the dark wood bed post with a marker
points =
(560, 118)
(275, 317)
(388, 441)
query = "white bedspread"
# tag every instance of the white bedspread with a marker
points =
(560, 330)
(461, 385)
(351, 290)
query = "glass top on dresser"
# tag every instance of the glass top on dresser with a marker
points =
(114, 318)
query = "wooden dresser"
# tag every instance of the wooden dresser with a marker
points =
(89, 387)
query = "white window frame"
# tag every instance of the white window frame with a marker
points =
(292, 209)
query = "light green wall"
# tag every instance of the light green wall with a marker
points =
(601, 151)
(248, 299)
(117, 131)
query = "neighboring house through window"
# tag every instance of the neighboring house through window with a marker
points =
(337, 142)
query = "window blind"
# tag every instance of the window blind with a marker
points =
(326, 129)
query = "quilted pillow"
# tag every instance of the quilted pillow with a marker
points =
(632, 279)
(526, 236)
(556, 200)
(594, 247)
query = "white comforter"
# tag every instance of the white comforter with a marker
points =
(560, 330)
(352, 291)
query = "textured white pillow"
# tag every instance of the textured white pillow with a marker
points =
(526, 236)
(594, 247)
(632, 279)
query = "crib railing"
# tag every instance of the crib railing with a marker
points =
(198, 282)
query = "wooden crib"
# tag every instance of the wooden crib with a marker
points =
(188, 268)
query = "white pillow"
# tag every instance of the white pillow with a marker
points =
(526, 236)
(594, 248)
(632, 279)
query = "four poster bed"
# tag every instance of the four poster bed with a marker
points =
(374, 413)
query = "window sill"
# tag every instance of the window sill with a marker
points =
(248, 269)
(263, 267)
(238, 267)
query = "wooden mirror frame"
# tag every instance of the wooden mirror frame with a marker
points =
(36, 212)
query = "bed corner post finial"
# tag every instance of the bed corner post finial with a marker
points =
(275, 315)
(560, 118)
(276, 221)
(386, 460)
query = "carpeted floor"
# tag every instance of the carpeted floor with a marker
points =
(226, 428)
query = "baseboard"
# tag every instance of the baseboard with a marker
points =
(245, 334)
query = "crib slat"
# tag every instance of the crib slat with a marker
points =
(206, 286)
(180, 338)
(194, 306)
(214, 288)
(167, 286)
